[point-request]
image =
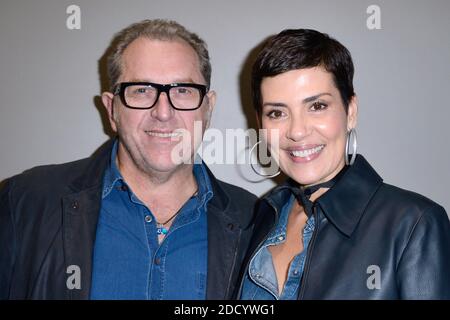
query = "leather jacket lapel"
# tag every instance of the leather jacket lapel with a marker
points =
(79, 226)
(80, 215)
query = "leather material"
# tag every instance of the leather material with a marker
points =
(48, 220)
(372, 241)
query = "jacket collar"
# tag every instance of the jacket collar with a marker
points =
(226, 223)
(92, 175)
(80, 215)
(345, 203)
(221, 203)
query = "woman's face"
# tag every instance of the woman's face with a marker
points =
(307, 109)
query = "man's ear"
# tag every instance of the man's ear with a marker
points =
(107, 99)
(211, 96)
(352, 113)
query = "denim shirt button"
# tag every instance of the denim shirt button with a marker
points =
(148, 218)
(157, 261)
(280, 238)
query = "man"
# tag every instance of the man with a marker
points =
(140, 219)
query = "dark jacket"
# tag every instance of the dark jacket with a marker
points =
(48, 219)
(371, 241)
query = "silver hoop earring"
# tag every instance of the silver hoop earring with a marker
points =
(351, 138)
(256, 171)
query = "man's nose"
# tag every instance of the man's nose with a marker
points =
(162, 110)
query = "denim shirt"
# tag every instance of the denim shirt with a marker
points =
(128, 261)
(260, 282)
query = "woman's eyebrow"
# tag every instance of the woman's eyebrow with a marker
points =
(315, 97)
(304, 101)
(274, 104)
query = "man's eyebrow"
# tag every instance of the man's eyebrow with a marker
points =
(315, 97)
(177, 80)
(139, 80)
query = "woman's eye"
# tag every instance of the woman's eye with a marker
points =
(275, 114)
(318, 106)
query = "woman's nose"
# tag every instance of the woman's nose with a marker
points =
(298, 128)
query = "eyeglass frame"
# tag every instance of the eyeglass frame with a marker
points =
(119, 90)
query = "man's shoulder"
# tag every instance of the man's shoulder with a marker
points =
(233, 192)
(237, 194)
(57, 176)
(236, 190)
(50, 173)
(237, 202)
(60, 168)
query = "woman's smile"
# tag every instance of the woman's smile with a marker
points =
(306, 153)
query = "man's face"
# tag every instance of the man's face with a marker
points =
(147, 137)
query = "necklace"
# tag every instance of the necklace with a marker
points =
(303, 194)
(160, 229)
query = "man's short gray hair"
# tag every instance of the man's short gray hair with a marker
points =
(157, 29)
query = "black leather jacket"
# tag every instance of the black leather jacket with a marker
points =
(48, 219)
(371, 241)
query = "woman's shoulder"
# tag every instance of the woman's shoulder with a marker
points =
(406, 201)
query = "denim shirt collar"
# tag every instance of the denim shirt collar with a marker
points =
(261, 269)
(112, 174)
(278, 235)
(113, 177)
(205, 190)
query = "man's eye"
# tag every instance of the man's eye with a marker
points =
(318, 106)
(275, 114)
(141, 90)
(183, 90)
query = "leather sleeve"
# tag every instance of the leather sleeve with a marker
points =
(7, 241)
(424, 268)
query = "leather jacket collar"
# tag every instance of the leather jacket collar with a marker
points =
(345, 202)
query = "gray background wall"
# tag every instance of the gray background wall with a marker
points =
(49, 77)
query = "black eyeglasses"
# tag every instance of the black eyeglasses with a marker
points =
(144, 95)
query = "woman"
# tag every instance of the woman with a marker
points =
(333, 230)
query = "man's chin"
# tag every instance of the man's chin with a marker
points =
(165, 167)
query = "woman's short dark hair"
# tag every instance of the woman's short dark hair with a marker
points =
(294, 49)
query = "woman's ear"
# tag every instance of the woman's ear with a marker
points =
(352, 113)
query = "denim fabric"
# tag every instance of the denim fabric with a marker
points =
(129, 263)
(260, 282)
